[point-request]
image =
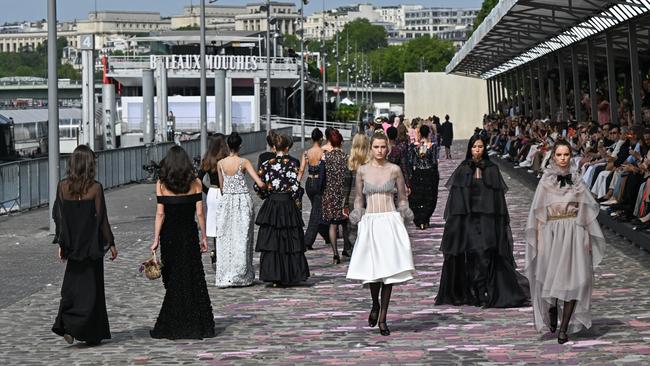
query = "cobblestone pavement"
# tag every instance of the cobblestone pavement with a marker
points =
(323, 322)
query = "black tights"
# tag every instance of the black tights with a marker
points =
(334, 228)
(567, 312)
(386, 291)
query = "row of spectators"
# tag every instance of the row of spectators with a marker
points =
(614, 161)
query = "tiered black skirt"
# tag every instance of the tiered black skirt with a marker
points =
(281, 241)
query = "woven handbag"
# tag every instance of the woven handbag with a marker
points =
(152, 267)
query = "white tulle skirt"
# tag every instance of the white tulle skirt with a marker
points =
(382, 252)
(212, 212)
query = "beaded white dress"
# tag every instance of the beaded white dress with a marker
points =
(382, 252)
(235, 233)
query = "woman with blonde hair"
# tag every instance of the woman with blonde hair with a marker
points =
(359, 155)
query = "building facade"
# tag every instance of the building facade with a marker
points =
(216, 17)
(106, 24)
(283, 14)
(444, 23)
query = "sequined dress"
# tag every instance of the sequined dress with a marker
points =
(186, 311)
(235, 233)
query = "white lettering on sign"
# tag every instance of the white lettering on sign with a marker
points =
(212, 62)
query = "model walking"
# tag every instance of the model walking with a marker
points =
(235, 224)
(186, 311)
(423, 166)
(280, 238)
(565, 244)
(217, 150)
(313, 160)
(84, 236)
(382, 253)
(479, 266)
(359, 155)
(333, 215)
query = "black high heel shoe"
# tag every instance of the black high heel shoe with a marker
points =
(562, 337)
(552, 314)
(336, 260)
(373, 317)
(385, 331)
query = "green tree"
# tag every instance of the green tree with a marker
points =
(291, 41)
(362, 36)
(485, 10)
(67, 71)
(23, 70)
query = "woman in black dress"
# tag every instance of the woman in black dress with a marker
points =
(423, 169)
(84, 236)
(186, 312)
(479, 267)
(313, 160)
(280, 238)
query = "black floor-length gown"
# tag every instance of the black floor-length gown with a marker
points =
(186, 312)
(423, 169)
(84, 235)
(479, 266)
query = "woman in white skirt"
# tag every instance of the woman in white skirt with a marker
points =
(382, 253)
(564, 245)
(217, 150)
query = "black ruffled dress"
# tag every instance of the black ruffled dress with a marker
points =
(280, 239)
(479, 266)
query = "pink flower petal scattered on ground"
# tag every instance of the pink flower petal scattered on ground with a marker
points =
(589, 343)
(206, 356)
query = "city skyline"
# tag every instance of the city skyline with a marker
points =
(68, 10)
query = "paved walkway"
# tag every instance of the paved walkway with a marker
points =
(323, 322)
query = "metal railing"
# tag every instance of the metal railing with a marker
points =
(347, 129)
(24, 184)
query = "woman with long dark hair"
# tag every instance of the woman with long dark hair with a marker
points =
(313, 160)
(84, 236)
(479, 265)
(423, 167)
(186, 311)
(382, 253)
(235, 224)
(217, 150)
(565, 244)
(280, 239)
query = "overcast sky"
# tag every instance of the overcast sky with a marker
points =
(78, 9)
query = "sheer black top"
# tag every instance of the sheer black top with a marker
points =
(82, 228)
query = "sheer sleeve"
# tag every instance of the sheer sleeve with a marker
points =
(402, 198)
(106, 235)
(359, 206)
(57, 215)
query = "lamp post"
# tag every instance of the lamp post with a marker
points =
(52, 109)
(324, 68)
(268, 66)
(203, 86)
(302, 72)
